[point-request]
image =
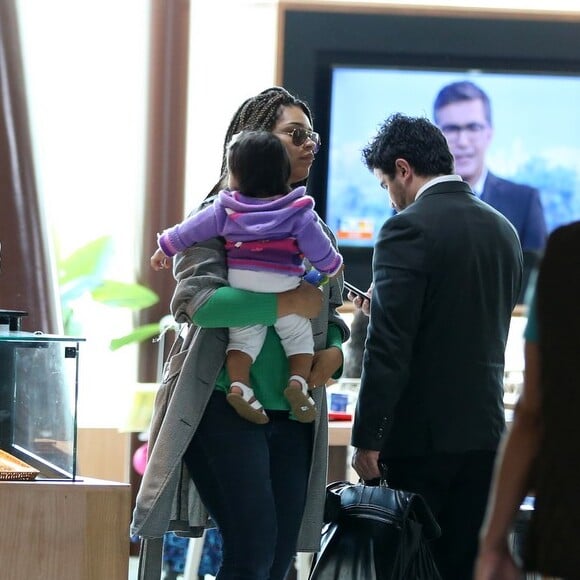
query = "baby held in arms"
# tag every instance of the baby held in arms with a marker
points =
(269, 228)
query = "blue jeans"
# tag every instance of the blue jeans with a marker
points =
(253, 480)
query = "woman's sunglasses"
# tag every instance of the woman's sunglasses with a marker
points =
(300, 135)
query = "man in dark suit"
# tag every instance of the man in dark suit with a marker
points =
(447, 271)
(462, 111)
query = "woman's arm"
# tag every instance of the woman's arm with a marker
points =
(233, 307)
(512, 476)
(327, 363)
(335, 301)
(328, 358)
(199, 271)
(204, 296)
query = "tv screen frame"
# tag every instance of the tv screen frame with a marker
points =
(315, 39)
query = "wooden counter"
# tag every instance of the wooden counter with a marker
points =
(339, 442)
(339, 433)
(61, 530)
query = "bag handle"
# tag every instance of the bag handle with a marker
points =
(417, 508)
(384, 474)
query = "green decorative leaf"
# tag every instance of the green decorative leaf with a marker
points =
(139, 334)
(125, 295)
(88, 262)
(71, 326)
(84, 272)
(76, 288)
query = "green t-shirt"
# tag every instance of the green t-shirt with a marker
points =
(531, 333)
(269, 374)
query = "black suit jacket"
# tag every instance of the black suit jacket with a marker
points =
(447, 272)
(522, 206)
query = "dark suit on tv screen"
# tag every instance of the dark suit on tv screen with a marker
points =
(522, 206)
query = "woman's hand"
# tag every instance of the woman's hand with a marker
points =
(496, 565)
(324, 364)
(306, 301)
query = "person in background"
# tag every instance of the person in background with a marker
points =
(262, 485)
(540, 451)
(354, 348)
(269, 229)
(462, 111)
(447, 270)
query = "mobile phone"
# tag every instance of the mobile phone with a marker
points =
(348, 286)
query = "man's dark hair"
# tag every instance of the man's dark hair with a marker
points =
(414, 139)
(259, 162)
(459, 92)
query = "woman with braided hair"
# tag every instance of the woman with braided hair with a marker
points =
(269, 229)
(262, 485)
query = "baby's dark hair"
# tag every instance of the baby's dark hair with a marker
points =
(258, 113)
(259, 163)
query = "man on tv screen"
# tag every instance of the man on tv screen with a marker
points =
(462, 111)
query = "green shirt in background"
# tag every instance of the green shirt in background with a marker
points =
(531, 332)
(269, 373)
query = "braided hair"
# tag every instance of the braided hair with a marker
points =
(258, 113)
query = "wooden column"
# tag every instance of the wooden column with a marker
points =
(165, 161)
(26, 282)
(165, 170)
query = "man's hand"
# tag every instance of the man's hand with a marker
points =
(363, 303)
(366, 463)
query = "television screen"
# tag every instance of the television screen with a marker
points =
(536, 139)
(357, 66)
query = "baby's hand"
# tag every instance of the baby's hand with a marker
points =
(159, 260)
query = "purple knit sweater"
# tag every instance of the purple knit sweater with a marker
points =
(272, 234)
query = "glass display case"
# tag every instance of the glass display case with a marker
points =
(38, 400)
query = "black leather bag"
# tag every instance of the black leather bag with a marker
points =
(373, 532)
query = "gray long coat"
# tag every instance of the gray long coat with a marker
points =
(167, 499)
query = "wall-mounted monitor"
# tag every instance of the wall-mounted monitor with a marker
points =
(531, 144)
(357, 67)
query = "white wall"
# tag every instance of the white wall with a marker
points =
(233, 44)
(86, 73)
(86, 64)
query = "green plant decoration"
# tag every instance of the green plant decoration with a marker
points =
(84, 272)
